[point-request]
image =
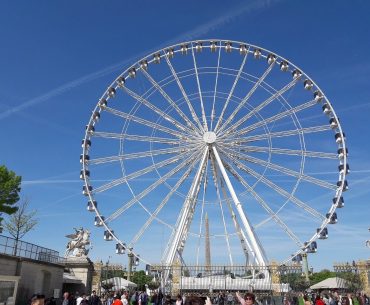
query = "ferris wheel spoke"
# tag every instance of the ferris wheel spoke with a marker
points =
(153, 215)
(276, 188)
(260, 256)
(247, 248)
(261, 106)
(280, 169)
(215, 89)
(133, 137)
(192, 111)
(177, 239)
(189, 123)
(139, 155)
(149, 189)
(144, 122)
(276, 117)
(205, 125)
(232, 90)
(286, 151)
(139, 173)
(264, 205)
(205, 182)
(155, 109)
(280, 134)
(247, 97)
(215, 182)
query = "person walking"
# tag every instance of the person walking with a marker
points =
(65, 298)
(94, 299)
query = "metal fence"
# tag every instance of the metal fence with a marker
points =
(11, 246)
(353, 277)
(215, 281)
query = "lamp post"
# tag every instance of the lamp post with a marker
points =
(132, 261)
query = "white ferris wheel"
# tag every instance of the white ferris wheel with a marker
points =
(218, 130)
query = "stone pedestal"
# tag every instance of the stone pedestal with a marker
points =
(82, 269)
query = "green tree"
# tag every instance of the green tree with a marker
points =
(353, 280)
(320, 276)
(9, 191)
(20, 223)
(296, 281)
(141, 279)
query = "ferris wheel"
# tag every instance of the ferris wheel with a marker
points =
(214, 144)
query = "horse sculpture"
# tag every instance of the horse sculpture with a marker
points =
(77, 245)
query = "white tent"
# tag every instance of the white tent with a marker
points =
(330, 283)
(120, 283)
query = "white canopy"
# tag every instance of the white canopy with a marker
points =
(120, 283)
(330, 283)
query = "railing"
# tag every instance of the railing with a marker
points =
(265, 282)
(11, 246)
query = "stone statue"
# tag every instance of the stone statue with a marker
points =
(78, 241)
(367, 243)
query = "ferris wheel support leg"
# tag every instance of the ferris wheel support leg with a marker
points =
(261, 260)
(186, 217)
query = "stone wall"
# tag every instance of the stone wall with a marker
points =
(35, 276)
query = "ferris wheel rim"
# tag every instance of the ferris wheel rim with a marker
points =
(114, 85)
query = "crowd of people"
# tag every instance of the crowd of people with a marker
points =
(124, 297)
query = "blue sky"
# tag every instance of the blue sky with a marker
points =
(58, 58)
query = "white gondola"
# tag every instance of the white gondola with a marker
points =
(96, 116)
(120, 248)
(144, 64)
(137, 260)
(157, 58)
(199, 47)
(257, 53)
(213, 46)
(340, 202)
(297, 258)
(98, 222)
(170, 52)
(90, 128)
(339, 138)
(326, 109)
(132, 72)
(343, 169)
(284, 66)
(86, 143)
(342, 152)
(121, 81)
(333, 219)
(184, 49)
(323, 234)
(91, 206)
(86, 190)
(307, 84)
(243, 49)
(317, 95)
(345, 185)
(108, 236)
(333, 123)
(103, 103)
(111, 92)
(84, 158)
(84, 174)
(296, 74)
(228, 45)
(271, 58)
(310, 248)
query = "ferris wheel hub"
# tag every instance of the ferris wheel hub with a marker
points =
(209, 137)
